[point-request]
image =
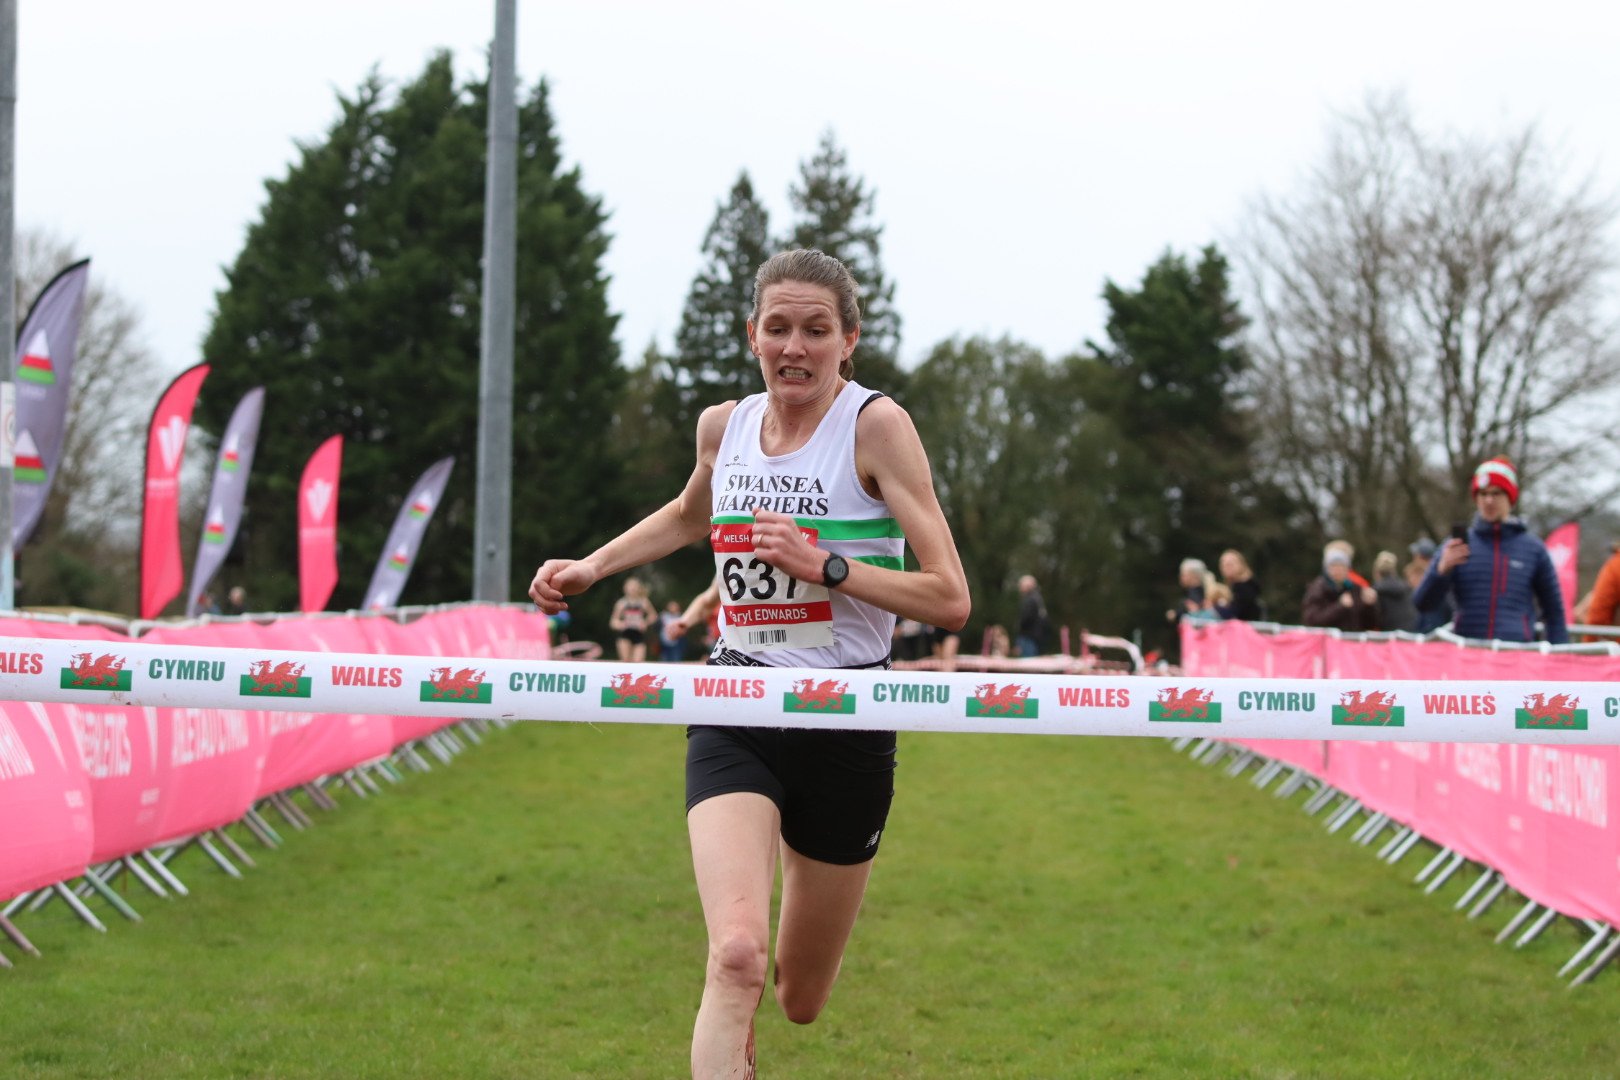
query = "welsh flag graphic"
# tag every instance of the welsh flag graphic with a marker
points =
(214, 531)
(30, 467)
(401, 558)
(230, 455)
(35, 365)
(422, 505)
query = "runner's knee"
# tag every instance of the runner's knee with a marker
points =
(800, 1002)
(738, 959)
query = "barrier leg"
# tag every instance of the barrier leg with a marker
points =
(1395, 841)
(260, 828)
(1370, 828)
(467, 731)
(1344, 815)
(1599, 935)
(413, 757)
(1517, 921)
(161, 870)
(1244, 757)
(1316, 802)
(213, 853)
(319, 797)
(16, 935)
(1599, 964)
(290, 812)
(1536, 928)
(1299, 779)
(4, 963)
(78, 907)
(138, 871)
(1457, 863)
(106, 893)
(15, 904)
(1268, 772)
(1474, 890)
(1403, 847)
(233, 847)
(1489, 898)
(1434, 864)
(435, 748)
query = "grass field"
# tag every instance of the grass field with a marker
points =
(1043, 907)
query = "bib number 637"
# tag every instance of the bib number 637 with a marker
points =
(756, 580)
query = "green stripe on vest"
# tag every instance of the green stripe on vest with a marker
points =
(829, 529)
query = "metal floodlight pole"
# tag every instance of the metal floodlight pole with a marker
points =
(492, 532)
(8, 285)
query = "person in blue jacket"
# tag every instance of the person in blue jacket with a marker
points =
(1500, 573)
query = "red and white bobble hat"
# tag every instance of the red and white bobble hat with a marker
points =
(1500, 472)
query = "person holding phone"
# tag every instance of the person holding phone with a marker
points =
(1495, 570)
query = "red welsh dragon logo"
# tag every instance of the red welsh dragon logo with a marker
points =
(826, 694)
(102, 671)
(270, 680)
(462, 684)
(1009, 699)
(1371, 708)
(636, 689)
(1558, 712)
(1189, 704)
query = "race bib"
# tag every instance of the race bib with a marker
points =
(765, 608)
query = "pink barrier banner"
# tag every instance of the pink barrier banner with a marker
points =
(1545, 817)
(305, 746)
(85, 783)
(1236, 650)
(45, 827)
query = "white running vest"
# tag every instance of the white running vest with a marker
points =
(781, 621)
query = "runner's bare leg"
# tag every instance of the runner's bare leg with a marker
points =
(819, 904)
(734, 846)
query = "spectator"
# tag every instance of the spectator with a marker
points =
(995, 641)
(1422, 551)
(672, 634)
(1245, 603)
(1499, 573)
(1350, 559)
(947, 643)
(1217, 603)
(236, 601)
(1332, 599)
(1032, 621)
(1193, 575)
(1603, 604)
(1395, 610)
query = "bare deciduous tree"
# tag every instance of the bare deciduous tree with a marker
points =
(1421, 303)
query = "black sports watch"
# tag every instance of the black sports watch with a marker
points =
(834, 571)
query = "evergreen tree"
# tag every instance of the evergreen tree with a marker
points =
(834, 211)
(712, 361)
(356, 302)
(1182, 479)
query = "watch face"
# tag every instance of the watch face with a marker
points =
(834, 571)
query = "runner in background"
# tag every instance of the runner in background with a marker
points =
(633, 614)
(808, 493)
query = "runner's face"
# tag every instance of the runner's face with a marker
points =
(799, 340)
(1493, 504)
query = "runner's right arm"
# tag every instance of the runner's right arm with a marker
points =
(681, 521)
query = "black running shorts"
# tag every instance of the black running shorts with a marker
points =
(833, 788)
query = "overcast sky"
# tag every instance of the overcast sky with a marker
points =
(1021, 152)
